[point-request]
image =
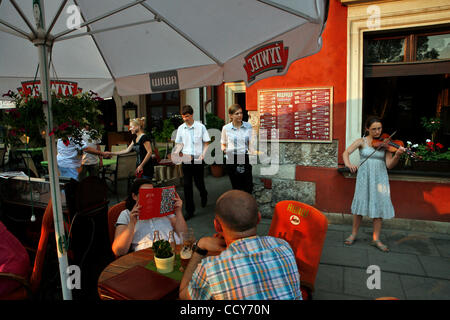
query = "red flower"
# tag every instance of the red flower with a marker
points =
(440, 146)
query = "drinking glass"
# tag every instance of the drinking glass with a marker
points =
(188, 238)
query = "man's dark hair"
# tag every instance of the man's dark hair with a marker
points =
(187, 109)
(238, 210)
(130, 202)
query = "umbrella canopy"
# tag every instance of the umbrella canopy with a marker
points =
(159, 45)
(147, 46)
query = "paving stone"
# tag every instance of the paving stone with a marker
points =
(443, 246)
(355, 284)
(436, 267)
(347, 256)
(396, 262)
(407, 242)
(334, 238)
(330, 278)
(420, 288)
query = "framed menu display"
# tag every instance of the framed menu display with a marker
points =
(299, 114)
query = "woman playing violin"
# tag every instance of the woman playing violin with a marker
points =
(372, 194)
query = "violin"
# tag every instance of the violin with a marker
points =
(390, 145)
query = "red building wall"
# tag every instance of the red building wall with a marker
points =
(334, 192)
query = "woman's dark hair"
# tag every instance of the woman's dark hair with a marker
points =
(371, 120)
(130, 202)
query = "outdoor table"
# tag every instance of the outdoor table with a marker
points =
(106, 162)
(126, 262)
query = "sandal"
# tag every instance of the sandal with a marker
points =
(350, 239)
(379, 245)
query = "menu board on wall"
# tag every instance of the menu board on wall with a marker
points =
(299, 114)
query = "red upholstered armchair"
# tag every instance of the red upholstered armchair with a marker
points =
(304, 228)
(29, 286)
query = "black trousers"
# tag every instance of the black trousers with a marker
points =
(240, 173)
(195, 172)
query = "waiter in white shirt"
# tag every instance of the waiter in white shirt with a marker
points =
(192, 140)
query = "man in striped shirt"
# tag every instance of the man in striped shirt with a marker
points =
(249, 266)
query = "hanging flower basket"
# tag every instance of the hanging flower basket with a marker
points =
(26, 122)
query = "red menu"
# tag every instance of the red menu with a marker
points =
(303, 114)
(156, 202)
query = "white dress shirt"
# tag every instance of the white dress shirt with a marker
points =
(192, 138)
(237, 140)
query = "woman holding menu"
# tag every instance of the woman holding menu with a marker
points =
(136, 234)
(236, 143)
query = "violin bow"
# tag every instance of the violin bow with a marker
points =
(379, 147)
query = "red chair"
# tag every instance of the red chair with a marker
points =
(113, 215)
(304, 228)
(29, 287)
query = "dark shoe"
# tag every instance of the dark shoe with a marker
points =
(204, 201)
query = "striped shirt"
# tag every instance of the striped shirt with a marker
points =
(254, 268)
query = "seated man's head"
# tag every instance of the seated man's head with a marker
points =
(237, 213)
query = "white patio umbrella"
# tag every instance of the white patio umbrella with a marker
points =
(149, 46)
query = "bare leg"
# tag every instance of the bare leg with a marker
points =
(376, 235)
(377, 228)
(356, 223)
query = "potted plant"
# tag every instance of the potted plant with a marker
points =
(164, 256)
(214, 122)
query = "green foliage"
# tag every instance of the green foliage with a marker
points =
(214, 122)
(432, 152)
(169, 126)
(162, 249)
(70, 114)
(431, 125)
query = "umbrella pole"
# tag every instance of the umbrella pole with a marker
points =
(55, 190)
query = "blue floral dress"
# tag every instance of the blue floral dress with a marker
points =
(372, 196)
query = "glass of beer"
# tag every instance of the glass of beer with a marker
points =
(188, 238)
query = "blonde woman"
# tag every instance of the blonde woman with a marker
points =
(142, 146)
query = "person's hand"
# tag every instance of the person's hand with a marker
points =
(215, 243)
(106, 155)
(139, 169)
(353, 168)
(134, 213)
(400, 151)
(178, 202)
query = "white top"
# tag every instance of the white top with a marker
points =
(237, 140)
(89, 158)
(192, 138)
(69, 156)
(144, 230)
